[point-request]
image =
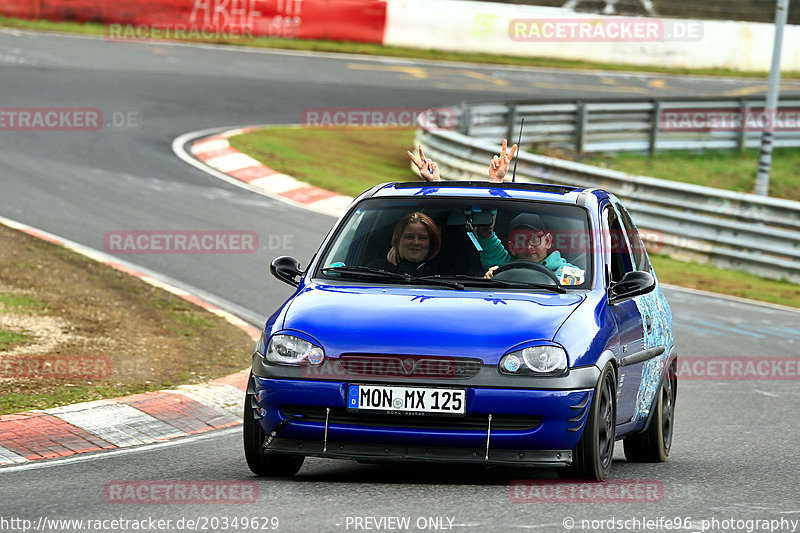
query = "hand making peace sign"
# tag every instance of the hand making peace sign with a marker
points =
(498, 167)
(428, 169)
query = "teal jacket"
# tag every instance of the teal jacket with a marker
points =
(495, 254)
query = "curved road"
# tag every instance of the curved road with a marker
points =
(733, 454)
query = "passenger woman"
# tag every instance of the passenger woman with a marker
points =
(415, 245)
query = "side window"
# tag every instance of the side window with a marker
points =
(639, 253)
(617, 244)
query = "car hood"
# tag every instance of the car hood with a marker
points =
(414, 321)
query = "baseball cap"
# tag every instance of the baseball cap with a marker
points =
(527, 220)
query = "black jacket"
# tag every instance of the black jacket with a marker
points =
(425, 268)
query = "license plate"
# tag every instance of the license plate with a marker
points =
(407, 399)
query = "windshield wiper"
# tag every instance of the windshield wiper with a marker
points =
(437, 279)
(509, 283)
(371, 272)
(385, 274)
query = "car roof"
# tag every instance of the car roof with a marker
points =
(485, 189)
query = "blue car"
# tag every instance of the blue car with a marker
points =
(468, 322)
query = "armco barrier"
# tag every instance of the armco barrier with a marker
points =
(347, 20)
(633, 124)
(729, 229)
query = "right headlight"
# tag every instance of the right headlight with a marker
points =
(547, 359)
(291, 350)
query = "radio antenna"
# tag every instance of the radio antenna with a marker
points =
(519, 147)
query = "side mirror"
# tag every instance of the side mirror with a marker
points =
(631, 285)
(286, 269)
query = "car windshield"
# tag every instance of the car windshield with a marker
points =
(534, 245)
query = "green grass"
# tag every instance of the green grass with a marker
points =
(10, 339)
(730, 282)
(187, 323)
(186, 343)
(715, 168)
(21, 303)
(344, 161)
(90, 28)
(83, 28)
(15, 402)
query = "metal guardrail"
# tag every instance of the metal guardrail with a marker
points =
(613, 125)
(757, 234)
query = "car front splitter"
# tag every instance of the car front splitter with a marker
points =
(388, 452)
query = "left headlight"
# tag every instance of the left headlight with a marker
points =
(291, 350)
(535, 359)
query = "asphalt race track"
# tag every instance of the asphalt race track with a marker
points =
(733, 453)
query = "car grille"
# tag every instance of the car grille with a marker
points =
(409, 366)
(477, 422)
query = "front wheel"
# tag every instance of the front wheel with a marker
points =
(653, 444)
(263, 463)
(592, 457)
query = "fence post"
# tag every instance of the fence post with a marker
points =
(741, 140)
(581, 120)
(466, 118)
(654, 118)
(512, 119)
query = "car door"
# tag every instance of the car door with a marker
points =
(656, 323)
(627, 314)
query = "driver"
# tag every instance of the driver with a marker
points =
(528, 240)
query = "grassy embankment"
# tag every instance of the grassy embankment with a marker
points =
(72, 329)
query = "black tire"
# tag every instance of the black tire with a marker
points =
(592, 457)
(261, 463)
(652, 445)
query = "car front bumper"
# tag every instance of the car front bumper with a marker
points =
(528, 426)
